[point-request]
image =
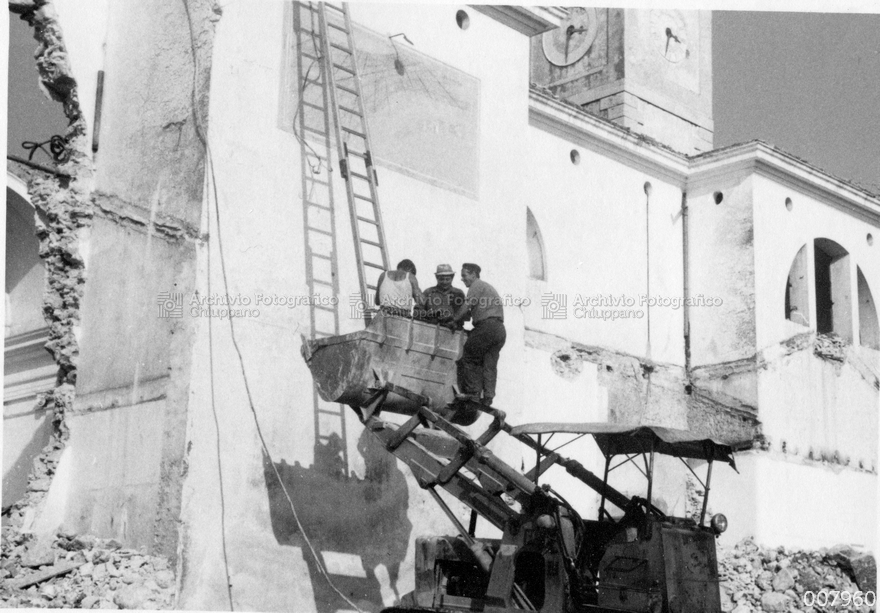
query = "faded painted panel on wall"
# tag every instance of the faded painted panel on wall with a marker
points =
(423, 115)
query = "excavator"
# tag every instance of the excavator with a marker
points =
(549, 557)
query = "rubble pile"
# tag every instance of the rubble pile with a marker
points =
(81, 571)
(776, 580)
(830, 347)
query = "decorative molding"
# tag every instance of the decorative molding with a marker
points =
(528, 20)
(28, 368)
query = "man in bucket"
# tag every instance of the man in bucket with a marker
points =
(442, 301)
(478, 367)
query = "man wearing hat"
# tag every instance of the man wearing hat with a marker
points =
(478, 367)
(441, 302)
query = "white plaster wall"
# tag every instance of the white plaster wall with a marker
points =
(786, 501)
(722, 267)
(84, 26)
(819, 409)
(594, 220)
(780, 233)
(815, 407)
(256, 165)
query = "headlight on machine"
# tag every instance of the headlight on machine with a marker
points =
(719, 523)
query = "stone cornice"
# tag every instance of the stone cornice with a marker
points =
(528, 20)
(637, 151)
(582, 128)
(765, 160)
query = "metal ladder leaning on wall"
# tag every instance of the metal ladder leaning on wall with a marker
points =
(313, 124)
(353, 145)
(330, 98)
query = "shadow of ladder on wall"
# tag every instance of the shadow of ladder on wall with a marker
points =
(330, 98)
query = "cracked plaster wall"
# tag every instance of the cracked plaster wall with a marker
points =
(141, 209)
(65, 214)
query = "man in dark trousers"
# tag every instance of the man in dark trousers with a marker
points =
(478, 367)
(442, 301)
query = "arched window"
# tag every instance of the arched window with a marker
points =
(535, 244)
(833, 289)
(797, 294)
(25, 275)
(869, 328)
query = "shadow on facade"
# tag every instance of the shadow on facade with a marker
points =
(15, 477)
(354, 524)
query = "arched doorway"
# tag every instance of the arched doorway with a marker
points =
(28, 369)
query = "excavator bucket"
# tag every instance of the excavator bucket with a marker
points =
(392, 353)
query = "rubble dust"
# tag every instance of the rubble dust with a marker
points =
(83, 572)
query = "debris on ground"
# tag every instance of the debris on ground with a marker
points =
(83, 572)
(778, 579)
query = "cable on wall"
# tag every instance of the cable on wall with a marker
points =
(214, 196)
(204, 142)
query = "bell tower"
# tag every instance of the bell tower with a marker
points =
(647, 70)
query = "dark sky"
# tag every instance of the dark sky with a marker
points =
(808, 83)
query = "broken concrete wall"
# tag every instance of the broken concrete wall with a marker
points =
(623, 388)
(126, 443)
(814, 405)
(63, 216)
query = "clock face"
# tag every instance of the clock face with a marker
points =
(671, 35)
(673, 47)
(570, 41)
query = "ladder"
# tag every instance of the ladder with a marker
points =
(353, 146)
(313, 126)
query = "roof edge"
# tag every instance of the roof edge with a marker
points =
(528, 20)
(772, 162)
(580, 127)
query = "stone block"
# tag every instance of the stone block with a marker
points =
(774, 602)
(784, 580)
(864, 569)
(610, 101)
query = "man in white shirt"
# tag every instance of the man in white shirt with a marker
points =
(398, 290)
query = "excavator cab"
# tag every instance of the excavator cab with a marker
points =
(643, 560)
(550, 559)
